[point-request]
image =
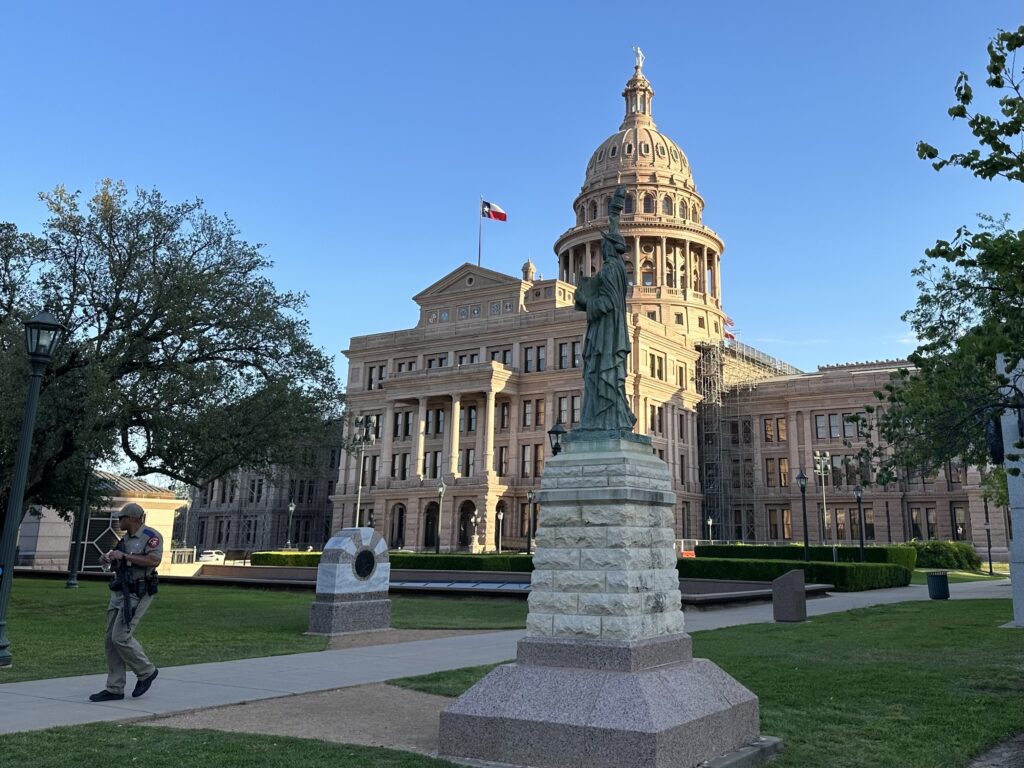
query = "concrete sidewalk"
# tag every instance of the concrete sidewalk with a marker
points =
(39, 704)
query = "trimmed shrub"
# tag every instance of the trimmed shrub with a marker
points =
(956, 555)
(901, 554)
(302, 559)
(845, 577)
(427, 561)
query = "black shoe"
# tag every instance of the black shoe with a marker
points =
(106, 695)
(143, 685)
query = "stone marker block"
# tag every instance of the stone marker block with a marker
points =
(789, 599)
(352, 584)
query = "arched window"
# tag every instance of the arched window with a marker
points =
(397, 538)
(430, 526)
(648, 203)
(670, 275)
(593, 210)
(613, 152)
(693, 213)
(629, 272)
(630, 205)
(666, 206)
(629, 149)
(605, 205)
(647, 272)
(467, 530)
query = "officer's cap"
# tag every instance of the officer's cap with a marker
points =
(131, 510)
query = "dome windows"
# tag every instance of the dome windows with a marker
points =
(645, 148)
(693, 213)
(600, 155)
(612, 151)
(667, 207)
(630, 205)
(661, 150)
(647, 272)
(675, 155)
(629, 149)
(648, 203)
(593, 210)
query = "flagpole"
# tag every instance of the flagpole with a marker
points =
(480, 232)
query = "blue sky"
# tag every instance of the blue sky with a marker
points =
(354, 140)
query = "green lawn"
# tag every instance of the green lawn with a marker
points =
(112, 744)
(58, 632)
(920, 576)
(919, 685)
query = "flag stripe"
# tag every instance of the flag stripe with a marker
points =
(492, 211)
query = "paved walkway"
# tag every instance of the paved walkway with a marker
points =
(42, 704)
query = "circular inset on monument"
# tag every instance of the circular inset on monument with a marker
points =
(364, 565)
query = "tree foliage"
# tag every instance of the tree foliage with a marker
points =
(181, 356)
(970, 304)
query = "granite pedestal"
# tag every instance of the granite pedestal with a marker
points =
(605, 677)
(352, 584)
(789, 597)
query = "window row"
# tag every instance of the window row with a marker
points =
(833, 426)
(683, 209)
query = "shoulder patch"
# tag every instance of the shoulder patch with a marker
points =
(153, 543)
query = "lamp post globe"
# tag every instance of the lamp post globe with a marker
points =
(801, 480)
(42, 334)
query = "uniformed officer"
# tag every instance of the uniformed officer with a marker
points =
(141, 549)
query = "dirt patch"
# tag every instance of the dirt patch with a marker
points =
(377, 715)
(390, 636)
(1009, 754)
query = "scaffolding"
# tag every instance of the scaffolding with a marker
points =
(727, 376)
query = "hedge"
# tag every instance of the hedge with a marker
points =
(958, 555)
(845, 577)
(412, 560)
(901, 554)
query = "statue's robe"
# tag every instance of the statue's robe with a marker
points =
(605, 348)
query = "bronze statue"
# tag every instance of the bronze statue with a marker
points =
(606, 344)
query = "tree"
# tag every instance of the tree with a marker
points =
(181, 357)
(971, 300)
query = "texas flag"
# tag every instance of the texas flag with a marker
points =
(492, 211)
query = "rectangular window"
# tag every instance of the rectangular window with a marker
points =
(542, 356)
(682, 467)
(576, 402)
(849, 427)
(769, 472)
(915, 523)
(563, 410)
(528, 360)
(683, 437)
(576, 354)
(774, 527)
(787, 524)
(470, 418)
(869, 524)
(929, 514)
(538, 459)
(681, 377)
(748, 473)
(504, 412)
(734, 432)
(769, 430)
(834, 426)
(405, 466)
(539, 407)
(527, 407)
(780, 428)
(563, 355)
(501, 468)
(783, 472)
(837, 471)
(468, 462)
(736, 473)
(748, 429)
(819, 426)
(526, 461)
(840, 524)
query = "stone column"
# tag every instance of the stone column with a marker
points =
(417, 444)
(453, 442)
(488, 418)
(387, 439)
(480, 468)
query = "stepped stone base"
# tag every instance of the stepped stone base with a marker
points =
(337, 614)
(611, 715)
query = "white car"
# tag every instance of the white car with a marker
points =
(211, 556)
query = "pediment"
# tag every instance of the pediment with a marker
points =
(467, 280)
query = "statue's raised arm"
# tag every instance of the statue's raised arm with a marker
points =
(606, 344)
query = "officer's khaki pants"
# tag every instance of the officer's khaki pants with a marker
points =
(122, 649)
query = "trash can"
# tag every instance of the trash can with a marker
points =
(938, 585)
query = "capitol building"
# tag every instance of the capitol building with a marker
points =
(459, 406)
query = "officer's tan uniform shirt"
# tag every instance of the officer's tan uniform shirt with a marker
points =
(146, 541)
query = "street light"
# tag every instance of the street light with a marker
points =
(500, 516)
(364, 436)
(440, 506)
(858, 492)
(555, 436)
(711, 522)
(291, 511)
(802, 481)
(475, 521)
(79, 530)
(42, 334)
(822, 466)
(529, 520)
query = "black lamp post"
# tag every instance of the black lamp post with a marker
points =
(75, 557)
(802, 481)
(858, 492)
(440, 506)
(291, 512)
(555, 436)
(42, 334)
(529, 520)
(363, 437)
